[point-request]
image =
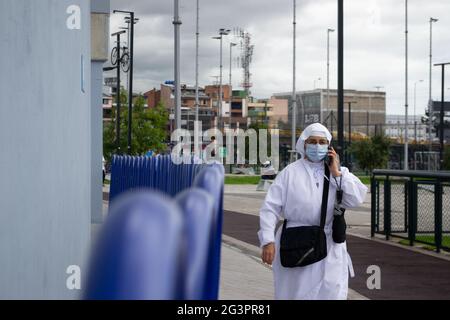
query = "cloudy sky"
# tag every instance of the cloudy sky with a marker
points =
(374, 44)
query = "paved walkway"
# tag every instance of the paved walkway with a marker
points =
(405, 274)
(245, 277)
(242, 277)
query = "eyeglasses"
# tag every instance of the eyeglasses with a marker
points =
(321, 142)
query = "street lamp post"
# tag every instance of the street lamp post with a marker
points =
(222, 32)
(406, 85)
(328, 67)
(318, 79)
(177, 88)
(197, 33)
(116, 60)
(340, 79)
(349, 133)
(415, 120)
(231, 91)
(294, 94)
(132, 22)
(430, 98)
(441, 115)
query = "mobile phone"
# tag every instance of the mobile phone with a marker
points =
(327, 158)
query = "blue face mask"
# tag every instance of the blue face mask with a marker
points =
(316, 152)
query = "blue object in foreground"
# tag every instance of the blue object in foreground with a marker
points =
(137, 255)
(154, 246)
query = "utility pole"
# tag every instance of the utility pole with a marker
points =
(116, 61)
(340, 78)
(415, 114)
(177, 88)
(230, 85)
(132, 21)
(349, 165)
(406, 86)
(441, 115)
(294, 95)
(328, 67)
(197, 33)
(222, 32)
(430, 94)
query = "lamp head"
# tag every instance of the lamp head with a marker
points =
(224, 32)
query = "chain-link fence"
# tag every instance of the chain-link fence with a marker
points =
(414, 205)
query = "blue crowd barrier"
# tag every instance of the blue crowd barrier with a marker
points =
(198, 206)
(137, 254)
(143, 191)
(213, 181)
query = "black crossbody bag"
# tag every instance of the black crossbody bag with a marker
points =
(339, 225)
(302, 246)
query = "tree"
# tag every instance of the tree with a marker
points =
(148, 132)
(446, 163)
(371, 153)
(109, 129)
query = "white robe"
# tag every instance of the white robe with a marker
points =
(295, 195)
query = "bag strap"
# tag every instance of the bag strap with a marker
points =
(326, 187)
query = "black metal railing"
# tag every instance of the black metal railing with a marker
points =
(414, 205)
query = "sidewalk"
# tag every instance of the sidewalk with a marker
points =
(244, 277)
(406, 273)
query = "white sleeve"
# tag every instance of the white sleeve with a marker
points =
(271, 210)
(354, 191)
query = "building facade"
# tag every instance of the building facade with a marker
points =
(395, 128)
(367, 109)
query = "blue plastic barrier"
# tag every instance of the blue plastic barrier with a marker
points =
(213, 180)
(198, 206)
(137, 255)
(191, 192)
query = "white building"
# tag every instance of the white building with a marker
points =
(395, 128)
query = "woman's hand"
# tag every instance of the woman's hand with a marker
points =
(334, 163)
(268, 253)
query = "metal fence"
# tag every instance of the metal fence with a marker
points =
(414, 205)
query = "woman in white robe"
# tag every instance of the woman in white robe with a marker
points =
(296, 195)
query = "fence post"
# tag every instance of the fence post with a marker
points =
(405, 188)
(387, 207)
(438, 215)
(373, 206)
(412, 211)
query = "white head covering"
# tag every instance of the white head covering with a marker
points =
(315, 129)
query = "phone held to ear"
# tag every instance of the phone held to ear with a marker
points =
(328, 159)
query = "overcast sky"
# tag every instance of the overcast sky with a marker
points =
(374, 44)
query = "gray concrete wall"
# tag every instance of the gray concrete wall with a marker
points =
(45, 143)
(99, 55)
(96, 142)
